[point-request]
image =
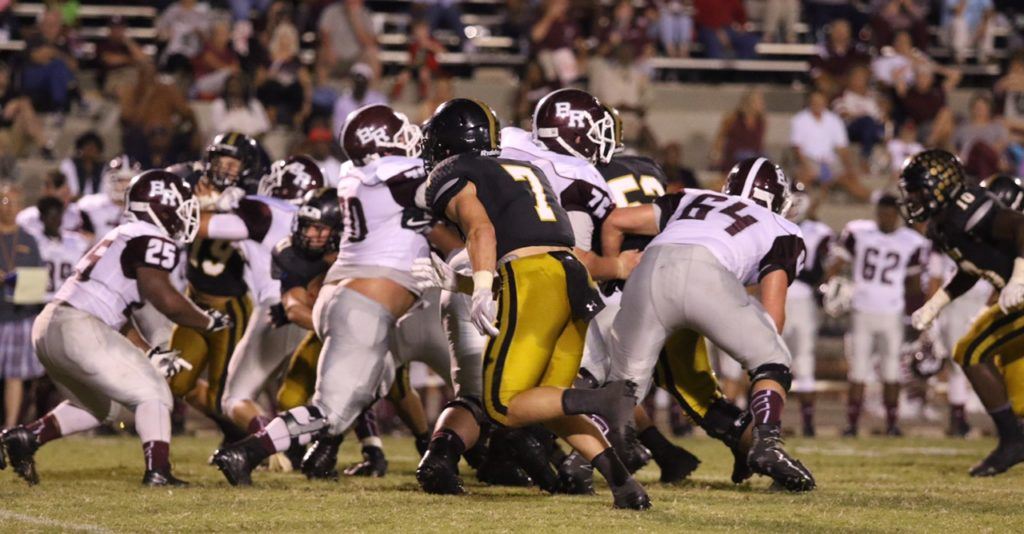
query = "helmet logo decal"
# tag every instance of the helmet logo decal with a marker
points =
(372, 134)
(168, 197)
(577, 117)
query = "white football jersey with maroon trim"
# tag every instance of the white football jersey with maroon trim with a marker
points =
(383, 227)
(817, 240)
(100, 213)
(60, 254)
(746, 238)
(104, 283)
(881, 263)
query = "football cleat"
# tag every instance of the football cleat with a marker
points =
(155, 478)
(439, 474)
(631, 496)
(238, 461)
(850, 432)
(638, 457)
(677, 465)
(576, 475)
(740, 466)
(498, 470)
(531, 455)
(295, 454)
(767, 457)
(21, 445)
(894, 432)
(374, 464)
(1005, 456)
(422, 442)
(321, 460)
(809, 432)
(958, 429)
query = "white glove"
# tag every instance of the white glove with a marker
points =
(483, 310)
(1012, 294)
(167, 362)
(218, 321)
(228, 199)
(434, 272)
(923, 317)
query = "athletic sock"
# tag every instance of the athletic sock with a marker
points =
(766, 406)
(448, 444)
(611, 467)
(892, 412)
(957, 414)
(45, 429)
(157, 455)
(853, 413)
(257, 423)
(1007, 423)
(228, 428)
(422, 441)
(366, 424)
(656, 442)
(807, 413)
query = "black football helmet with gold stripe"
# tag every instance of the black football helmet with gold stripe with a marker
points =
(232, 145)
(460, 126)
(929, 181)
(1008, 189)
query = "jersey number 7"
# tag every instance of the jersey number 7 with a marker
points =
(526, 174)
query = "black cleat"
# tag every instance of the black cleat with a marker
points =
(157, 478)
(497, 470)
(295, 454)
(321, 460)
(809, 432)
(850, 432)
(238, 461)
(531, 455)
(677, 465)
(576, 475)
(637, 458)
(1005, 456)
(439, 475)
(21, 445)
(894, 432)
(374, 464)
(767, 457)
(741, 471)
(631, 496)
(958, 429)
(422, 442)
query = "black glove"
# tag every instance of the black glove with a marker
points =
(218, 321)
(278, 317)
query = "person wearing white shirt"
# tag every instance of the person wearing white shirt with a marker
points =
(819, 142)
(357, 96)
(238, 110)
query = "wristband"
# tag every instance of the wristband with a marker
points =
(483, 281)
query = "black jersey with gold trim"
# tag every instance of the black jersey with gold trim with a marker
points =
(634, 180)
(964, 231)
(293, 268)
(216, 268)
(517, 196)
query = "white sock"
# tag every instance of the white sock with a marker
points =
(277, 429)
(72, 419)
(372, 441)
(153, 421)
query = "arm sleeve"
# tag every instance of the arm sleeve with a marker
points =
(787, 253)
(917, 261)
(444, 182)
(961, 283)
(665, 206)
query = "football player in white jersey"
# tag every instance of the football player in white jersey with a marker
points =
(102, 211)
(693, 276)
(801, 331)
(255, 226)
(55, 184)
(77, 335)
(887, 259)
(59, 249)
(364, 293)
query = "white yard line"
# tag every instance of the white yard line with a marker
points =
(47, 522)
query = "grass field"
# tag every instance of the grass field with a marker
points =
(868, 485)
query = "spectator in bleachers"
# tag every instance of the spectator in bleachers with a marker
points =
(675, 27)
(443, 91)
(318, 145)
(531, 88)
(347, 37)
(722, 31)
(55, 184)
(117, 55)
(902, 146)
(212, 67)
(48, 76)
(899, 63)
(969, 26)
(780, 20)
(20, 127)
(836, 57)
(423, 64)
(678, 174)
(554, 37)
(444, 14)
(10, 28)
(284, 85)
(820, 13)
(18, 362)
(181, 29)
(741, 132)
(891, 16)
(1009, 96)
(860, 107)
(924, 101)
(623, 83)
(821, 148)
(244, 9)
(155, 118)
(238, 110)
(85, 167)
(982, 141)
(359, 94)
(625, 26)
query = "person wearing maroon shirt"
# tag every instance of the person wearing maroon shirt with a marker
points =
(720, 29)
(924, 102)
(554, 37)
(836, 57)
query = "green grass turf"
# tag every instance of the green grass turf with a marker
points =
(867, 485)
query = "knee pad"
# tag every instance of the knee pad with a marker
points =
(314, 421)
(725, 422)
(773, 371)
(585, 380)
(472, 404)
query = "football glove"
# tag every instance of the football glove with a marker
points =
(434, 272)
(278, 316)
(923, 317)
(167, 362)
(218, 321)
(224, 201)
(483, 310)
(1012, 294)
(836, 296)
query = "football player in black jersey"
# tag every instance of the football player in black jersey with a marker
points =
(512, 223)
(215, 281)
(986, 240)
